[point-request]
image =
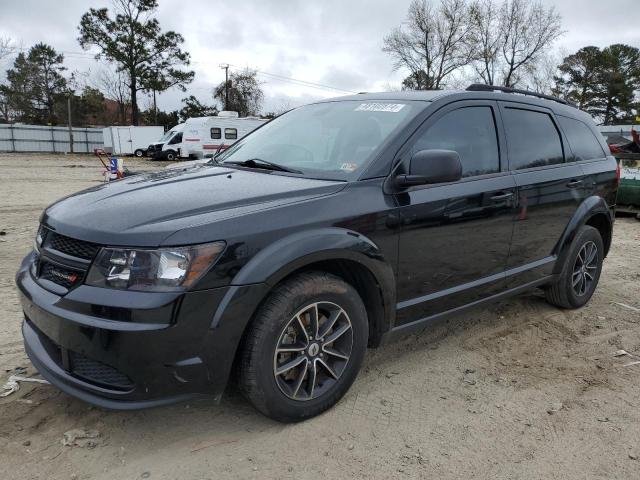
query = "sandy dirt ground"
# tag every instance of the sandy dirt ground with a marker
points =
(517, 390)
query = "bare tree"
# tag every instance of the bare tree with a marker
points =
(431, 44)
(6, 47)
(509, 41)
(115, 86)
(539, 76)
(528, 30)
(484, 40)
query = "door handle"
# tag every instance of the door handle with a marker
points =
(574, 183)
(502, 196)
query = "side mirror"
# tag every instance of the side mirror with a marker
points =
(431, 166)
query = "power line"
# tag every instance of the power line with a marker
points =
(283, 78)
(301, 82)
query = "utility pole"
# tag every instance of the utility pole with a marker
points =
(155, 108)
(69, 123)
(225, 66)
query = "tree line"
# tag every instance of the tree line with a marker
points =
(450, 43)
(442, 44)
(140, 58)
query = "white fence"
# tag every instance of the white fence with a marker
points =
(37, 138)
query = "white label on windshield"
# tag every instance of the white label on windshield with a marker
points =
(380, 107)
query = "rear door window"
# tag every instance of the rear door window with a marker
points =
(533, 139)
(584, 144)
(470, 131)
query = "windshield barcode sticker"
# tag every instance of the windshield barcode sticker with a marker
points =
(380, 107)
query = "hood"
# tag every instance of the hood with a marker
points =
(145, 209)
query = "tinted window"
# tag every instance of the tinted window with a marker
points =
(230, 133)
(470, 131)
(216, 133)
(583, 142)
(533, 139)
(176, 139)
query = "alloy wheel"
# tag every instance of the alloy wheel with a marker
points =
(313, 351)
(585, 268)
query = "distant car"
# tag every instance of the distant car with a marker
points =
(338, 225)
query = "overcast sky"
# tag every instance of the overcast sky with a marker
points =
(328, 42)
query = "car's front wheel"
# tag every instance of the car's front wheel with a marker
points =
(304, 347)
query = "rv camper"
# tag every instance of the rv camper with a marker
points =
(204, 136)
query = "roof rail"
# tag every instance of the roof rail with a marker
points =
(480, 87)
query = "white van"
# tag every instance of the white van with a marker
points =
(168, 147)
(204, 136)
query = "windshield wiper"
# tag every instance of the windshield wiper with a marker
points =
(260, 163)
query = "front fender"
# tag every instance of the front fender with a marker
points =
(285, 256)
(590, 207)
(281, 258)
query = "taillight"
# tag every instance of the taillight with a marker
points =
(618, 172)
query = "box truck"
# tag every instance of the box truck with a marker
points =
(130, 140)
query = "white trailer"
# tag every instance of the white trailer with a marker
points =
(130, 140)
(203, 136)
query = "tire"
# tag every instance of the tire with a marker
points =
(280, 322)
(139, 153)
(170, 155)
(565, 293)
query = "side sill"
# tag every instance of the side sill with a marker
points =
(418, 325)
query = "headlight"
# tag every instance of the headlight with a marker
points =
(165, 269)
(39, 239)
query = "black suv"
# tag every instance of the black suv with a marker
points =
(334, 227)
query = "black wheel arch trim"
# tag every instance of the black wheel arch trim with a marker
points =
(294, 252)
(588, 209)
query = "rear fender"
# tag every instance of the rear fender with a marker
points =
(590, 207)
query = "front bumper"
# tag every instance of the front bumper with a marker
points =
(126, 350)
(154, 151)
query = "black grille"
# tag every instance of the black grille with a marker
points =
(98, 373)
(62, 276)
(71, 246)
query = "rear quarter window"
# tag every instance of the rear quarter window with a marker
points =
(533, 139)
(583, 142)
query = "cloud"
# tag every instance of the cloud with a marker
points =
(334, 42)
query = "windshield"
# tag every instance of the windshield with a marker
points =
(328, 140)
(166, 136)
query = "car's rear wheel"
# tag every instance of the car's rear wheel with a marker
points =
(304, 348)
(580, 272)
